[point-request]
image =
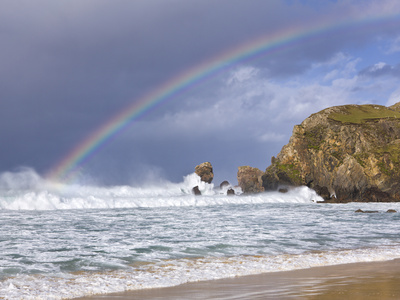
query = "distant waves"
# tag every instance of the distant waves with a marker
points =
(27, 191)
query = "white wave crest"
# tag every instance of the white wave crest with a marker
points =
(26, 190)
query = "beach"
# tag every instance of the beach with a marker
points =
(370, 280)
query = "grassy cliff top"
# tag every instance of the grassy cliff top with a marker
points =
(359, 114)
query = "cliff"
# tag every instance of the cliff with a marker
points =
(346, 153)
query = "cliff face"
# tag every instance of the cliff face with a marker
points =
(345, 153)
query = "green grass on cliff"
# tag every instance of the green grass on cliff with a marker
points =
(393, 150)
(358, 114)
(291, 171)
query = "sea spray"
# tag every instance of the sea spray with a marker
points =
(23, 178)
(35, 193)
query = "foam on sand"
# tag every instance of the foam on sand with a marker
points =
(176, 272)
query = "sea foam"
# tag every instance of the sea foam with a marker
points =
(176, 272)
(57, 242)
(27, 191)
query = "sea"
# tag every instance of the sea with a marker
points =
(63, 242)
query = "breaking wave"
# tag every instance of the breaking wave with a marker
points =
(26, 190)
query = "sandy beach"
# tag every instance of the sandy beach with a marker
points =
(372, 280)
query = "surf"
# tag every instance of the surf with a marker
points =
(26, 190)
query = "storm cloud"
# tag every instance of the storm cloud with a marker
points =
(67, 67)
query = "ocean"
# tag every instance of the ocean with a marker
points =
(63, 242)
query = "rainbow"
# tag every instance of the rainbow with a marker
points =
(66, 170)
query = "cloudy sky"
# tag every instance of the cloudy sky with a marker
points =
(68, 67)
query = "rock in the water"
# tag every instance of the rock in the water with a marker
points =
(350, 151)
(230, 192)
(366, 211)
(391, 211)
(205, 171)
(224, 183)
(283, 190)
(196, 190)
(249, 179)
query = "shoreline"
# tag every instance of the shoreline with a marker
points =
(365, 280)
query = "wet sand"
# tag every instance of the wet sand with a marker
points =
(373, 280)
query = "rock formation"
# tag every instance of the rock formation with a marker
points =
(224, 184)
(196, 191)
(366, 211)
(230, 192)
(205, 171)
(346, 153)
(250, 179)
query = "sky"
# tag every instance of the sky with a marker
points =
(69, 67)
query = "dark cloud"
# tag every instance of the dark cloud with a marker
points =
(67, 67)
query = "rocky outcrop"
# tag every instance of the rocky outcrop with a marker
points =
(224, 183)
(366, 211)
(196, 191)
(346, 153)
(230, 192)
(205, 171)
(374, 211)
(250, 179)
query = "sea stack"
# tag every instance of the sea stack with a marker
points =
(205, 171)
(250, 179)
